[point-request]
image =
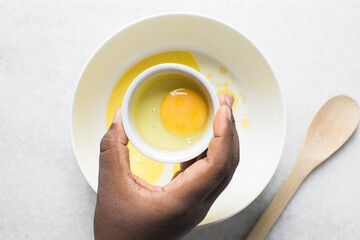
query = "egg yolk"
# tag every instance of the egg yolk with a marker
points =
(183, 111)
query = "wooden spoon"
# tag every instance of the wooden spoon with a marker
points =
(331, 127)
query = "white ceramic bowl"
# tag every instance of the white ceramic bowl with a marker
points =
(134, 136)
(260, 150)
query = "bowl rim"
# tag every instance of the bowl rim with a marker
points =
(211, 18)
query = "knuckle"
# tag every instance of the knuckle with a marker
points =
(232, 134)
(224, 170)
(105, 160)
(107, 142)
(237, 154)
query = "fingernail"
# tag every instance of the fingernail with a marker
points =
(117, 115)
(229, 100)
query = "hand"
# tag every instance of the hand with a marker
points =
(129, 208)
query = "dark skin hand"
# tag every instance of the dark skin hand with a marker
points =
(129, 208)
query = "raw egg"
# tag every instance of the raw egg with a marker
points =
(183, 111)
(170, 112)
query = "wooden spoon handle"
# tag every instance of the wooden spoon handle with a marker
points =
(278, 204)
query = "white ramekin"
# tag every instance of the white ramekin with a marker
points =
(139, 143)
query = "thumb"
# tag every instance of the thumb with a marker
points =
(115, 133)
(114, 154)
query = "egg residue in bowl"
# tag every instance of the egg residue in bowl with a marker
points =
(170, 112)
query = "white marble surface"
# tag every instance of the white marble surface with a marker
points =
(313, 46)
